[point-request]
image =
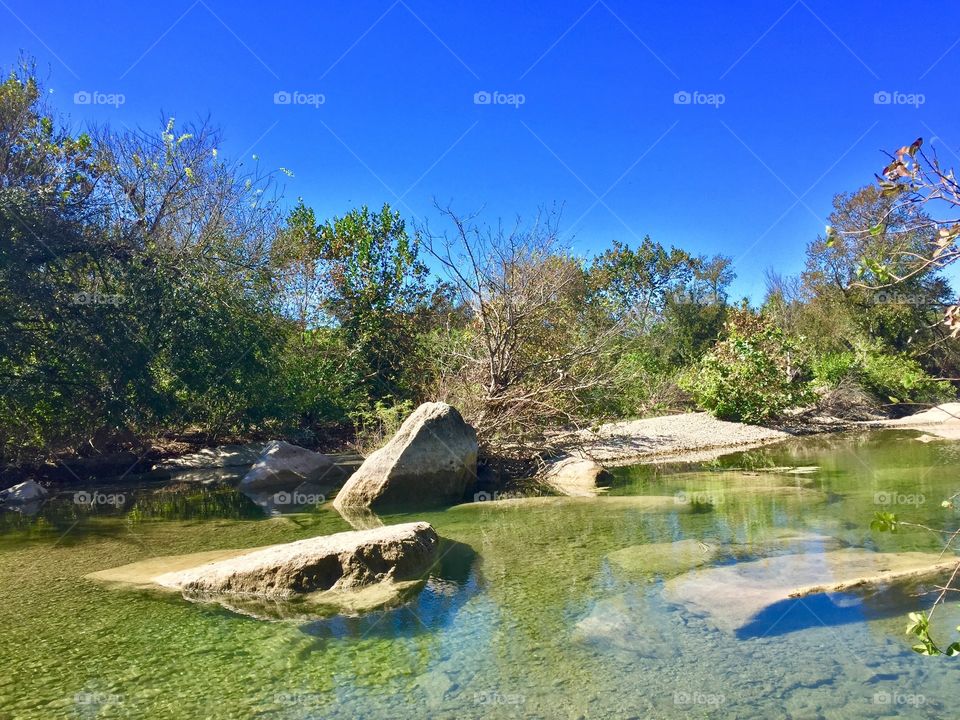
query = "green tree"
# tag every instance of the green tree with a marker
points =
(367, 281)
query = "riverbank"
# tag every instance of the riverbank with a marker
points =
(683, 437)
(687, 437)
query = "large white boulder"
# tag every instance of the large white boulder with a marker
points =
(282, 466)
(432, 460)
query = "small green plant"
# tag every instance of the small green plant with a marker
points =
(884, 522)
(378, 423)
(919, 626)
(832, 368)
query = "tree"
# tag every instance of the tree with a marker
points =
(132, 278)
(362, 275)
(917, 187)
(535, 346)
(637, 283)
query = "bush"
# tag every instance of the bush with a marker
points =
(832, 368)
(900, 379)
(886, 376)
(379, 423)
(753, 375)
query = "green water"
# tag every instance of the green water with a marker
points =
(525, 617)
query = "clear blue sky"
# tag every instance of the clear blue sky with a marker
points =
(599, 129)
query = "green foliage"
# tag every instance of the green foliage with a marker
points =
(889, 377)
(900, 379)
(884, 522)
(369, 286)
(379, 423)
(919, 626)
(832, 368)
(754, 375)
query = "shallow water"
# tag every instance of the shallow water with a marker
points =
(552, 610)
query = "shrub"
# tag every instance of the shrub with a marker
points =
(899, 379)
(886, 376)
(753, 375)
(379, 423)
(832, 368)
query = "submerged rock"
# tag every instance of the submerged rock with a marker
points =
(579, 477)
(736, 596)
(282, 466)
(627, 622)
(25, 492)
(432, 460)
(667, 558)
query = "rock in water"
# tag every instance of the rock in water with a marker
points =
(744, 595)
(432, 460)
(345, 561)
(282, 466)
(579, 477)
(25, 492)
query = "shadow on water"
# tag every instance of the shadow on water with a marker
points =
(452, 582)
(831, 610)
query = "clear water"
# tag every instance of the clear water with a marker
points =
(526, 616)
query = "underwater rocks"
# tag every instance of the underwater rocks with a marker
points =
(666, 558)
(432, 460)
(740, 596)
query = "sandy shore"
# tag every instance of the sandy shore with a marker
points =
(690, 437)
(942, 421)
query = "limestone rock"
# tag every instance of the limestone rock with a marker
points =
(282, 466)
(432, 460)
(345, 561)
(579, 477)
(25, 492)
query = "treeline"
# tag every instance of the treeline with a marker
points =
(149, 286)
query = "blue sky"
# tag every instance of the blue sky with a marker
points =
(783, 107)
